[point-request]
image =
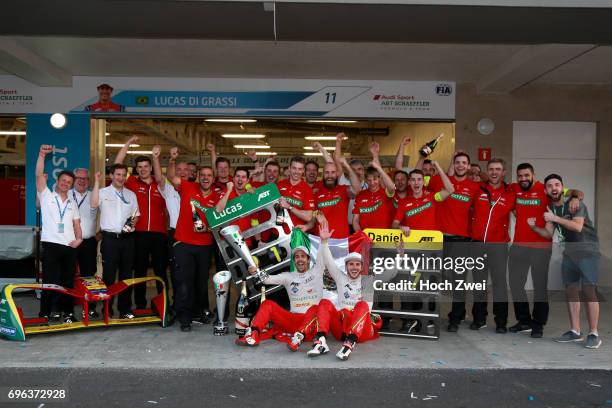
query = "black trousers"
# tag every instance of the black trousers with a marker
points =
(455, 247)
(193, 262)
(149, 246)
(59, 266)
(172, 262)
(495, 256)
(521, 260)
(87, 254)
(118, 256)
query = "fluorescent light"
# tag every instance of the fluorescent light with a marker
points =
(323, 138)
(120, 145)
(266, 153)
(12, 132)
(139, 151)
(106, 134)
(231, 120)
(331, 121)
(313, 154)
(325, 147)
(251, 146)
(242, 136)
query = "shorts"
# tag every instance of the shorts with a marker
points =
(584, 270)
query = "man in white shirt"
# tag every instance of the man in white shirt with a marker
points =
(60, 236)
(118, 216)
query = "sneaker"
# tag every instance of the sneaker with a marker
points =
(345, 351)
(206, 318)
(318, 348)
(410, 326)
(569, 336)
(69, 318)
(478, 325)
(185, 327)
(520, 328)
(93, 314)
(386, 322)
(537, 332)
(592, 341)
(501, 329)
(128, 315)
(55, 317)
(250, 338)
(296, 341)
(452, 328)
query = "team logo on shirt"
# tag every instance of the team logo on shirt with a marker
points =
(533, 201)
(367, 210)
(417, 210)
(293, 201)
(460, 197)
(329, 203)
(295, 287)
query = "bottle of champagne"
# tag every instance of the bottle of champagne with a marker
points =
(129, 224)
(242, 320)
(198, 224)
(430, 146)
(281, 214)
(263, 294)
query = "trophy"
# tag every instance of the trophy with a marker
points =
(221, 281)
(231, 234)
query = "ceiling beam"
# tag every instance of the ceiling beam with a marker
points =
(22, 62)
(527, 65)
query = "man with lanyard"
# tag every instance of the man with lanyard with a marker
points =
(419, 211)
(87, 252)
(581, 259)
(60, 236)
(454, 219)
(296, 195)
(118, 215)
(373, 206)
(530, 250)
(172, 199)
(194, 245)
(150, 239)
(490, 223)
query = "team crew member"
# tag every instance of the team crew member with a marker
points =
(296, 195)
(304, 288)
(419, 211)
(351, 322)
(60, 236)
(118, 215)
(490, 223)
(374, 206)
(194, 246)
(454, 218)
(357, 168)
(87, 252)
(311, 174)
(173, 201)
(402, 188)
(192, 169)
(581, 259)
(270, 174)
(150, 240)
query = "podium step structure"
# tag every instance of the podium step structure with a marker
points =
(412, 302)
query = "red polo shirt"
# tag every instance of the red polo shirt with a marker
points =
(298, 195)
(419, 213)
(151, 204)
(190, 191)
(491, 213)
(454, 212)
(530, 204)
(220, 187)
(375, 209)
(333, 203)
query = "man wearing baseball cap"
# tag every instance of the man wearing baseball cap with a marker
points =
(105, 103)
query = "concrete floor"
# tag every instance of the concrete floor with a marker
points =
(153, 347)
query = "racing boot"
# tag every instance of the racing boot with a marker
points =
(345, 351)
(318, 348)
(296, 341)
(250, 338)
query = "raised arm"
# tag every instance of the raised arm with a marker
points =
(41, 179)
(213, 157)
(95, 192)
(355, 183)
(123, 151)
(159, 177)
(326, 156)
(387, 182)
(399, 157)
(223, 201)
(171, 169)
(324, 255)
(338, 152)
(448, 186)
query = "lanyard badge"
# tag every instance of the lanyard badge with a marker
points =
(60, 225)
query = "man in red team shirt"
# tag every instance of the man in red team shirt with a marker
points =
(194, 245)
(105, 103)
(454, 219)
(490, 223)
(151, 229)
(402, 188)
(311, 173)
(297, 196)
(419, 211)
(530, 250)
(374, 206)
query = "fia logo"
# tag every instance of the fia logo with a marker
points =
(444, 89)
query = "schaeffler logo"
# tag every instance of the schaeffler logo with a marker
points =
(12, 97)
(401, 102)
(444, 89)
